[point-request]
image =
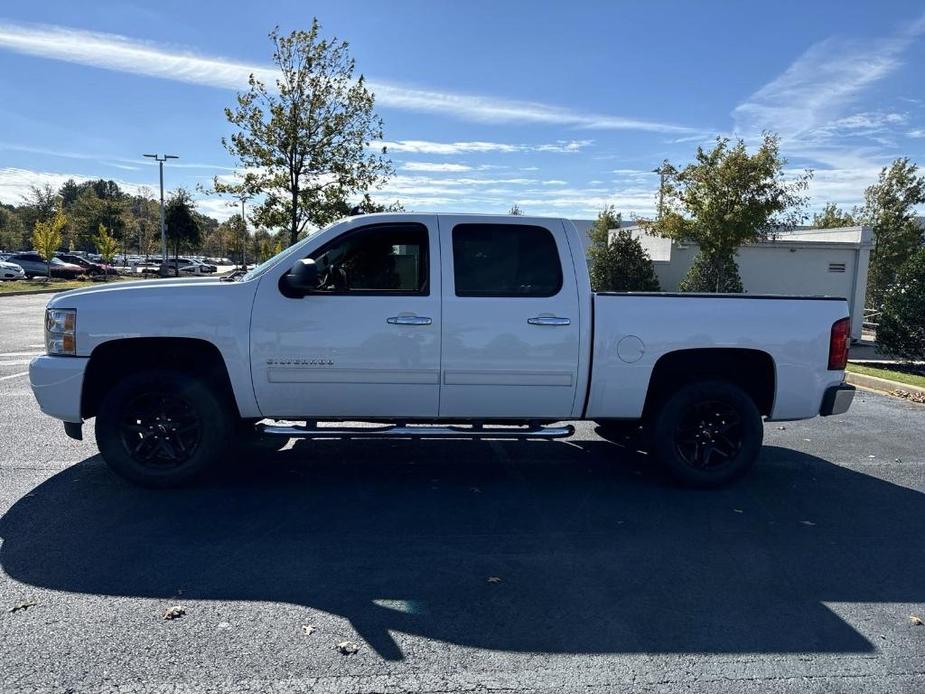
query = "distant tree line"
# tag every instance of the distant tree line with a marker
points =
(131, 224)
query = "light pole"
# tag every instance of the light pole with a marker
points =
(160, 159)
(243, 197)
(661, 188)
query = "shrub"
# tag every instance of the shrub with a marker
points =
(618, 264)
(716, 272)
(902, 321)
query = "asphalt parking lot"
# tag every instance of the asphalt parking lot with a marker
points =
(463, 566)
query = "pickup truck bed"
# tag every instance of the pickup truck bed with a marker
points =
(634, 331)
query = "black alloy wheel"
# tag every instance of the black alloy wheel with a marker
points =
(163, 428)
(160, 429)
(707, 433)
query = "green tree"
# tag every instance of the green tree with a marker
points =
(47, 238)
(832, 217)
(901, 331)
(39, 205)
(68, 193)
(12, 231)
(143, 226)
(515, 209)
(718, 273)
(618, 263)
(99, 202)
(183, 229)
(305, 141)
(724, 199)
(106, 246)
(234, 237)
(889, 209)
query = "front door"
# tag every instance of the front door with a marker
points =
(366, 343)
(510, 319)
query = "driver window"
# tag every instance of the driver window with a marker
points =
(384, 258)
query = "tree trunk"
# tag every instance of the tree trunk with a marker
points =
(294, 222)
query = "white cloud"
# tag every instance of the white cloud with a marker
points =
(15, 183)
(539, 197)
(917, 133)
(126, 163)
(434, 166)
(219, 208)
(870, 120)
(114, 52)
(820, 83)
(810, 105)
(450, 148)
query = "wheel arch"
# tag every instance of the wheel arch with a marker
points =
(753, 370)
(114, 359)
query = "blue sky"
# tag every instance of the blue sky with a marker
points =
(558, 107)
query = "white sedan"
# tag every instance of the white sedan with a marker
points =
(11, 271)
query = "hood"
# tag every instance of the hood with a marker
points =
(64, 299)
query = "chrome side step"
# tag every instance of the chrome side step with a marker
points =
(417, 431)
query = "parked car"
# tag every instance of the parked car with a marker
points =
(34, 265)
(90, 268)
(446, 326)
(189, 266)
(11, 271)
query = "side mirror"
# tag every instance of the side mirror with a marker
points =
(303, 277)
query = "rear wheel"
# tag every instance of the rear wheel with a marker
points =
(707, 434)
(162, 428)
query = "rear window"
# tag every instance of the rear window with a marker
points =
(515, 260)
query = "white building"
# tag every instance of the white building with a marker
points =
(822, 262)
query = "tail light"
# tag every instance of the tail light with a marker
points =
(839, 340)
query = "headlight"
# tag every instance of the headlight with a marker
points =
(61, 331)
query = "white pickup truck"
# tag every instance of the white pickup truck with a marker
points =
(429, 325)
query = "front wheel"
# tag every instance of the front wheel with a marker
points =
(162, 428)
(707, 434)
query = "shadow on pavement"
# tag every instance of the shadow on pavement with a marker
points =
(595, 553)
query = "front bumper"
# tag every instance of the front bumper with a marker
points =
(837, 399)
(57, 383)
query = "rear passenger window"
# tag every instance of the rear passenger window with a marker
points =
(505, 260)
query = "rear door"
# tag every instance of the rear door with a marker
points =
(510, 319)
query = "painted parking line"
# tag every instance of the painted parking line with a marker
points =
(15, 362)
(6, 378)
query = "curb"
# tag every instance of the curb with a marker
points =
(37, 291)
(883, 385)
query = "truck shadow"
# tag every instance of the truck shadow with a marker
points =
(595, 553)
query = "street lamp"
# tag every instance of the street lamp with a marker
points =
(243, 197)
(661, 188)
(160, 159)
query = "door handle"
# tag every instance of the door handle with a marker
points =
(408, 320)
(549, 320)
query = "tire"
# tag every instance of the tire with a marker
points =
(161, 428)
(707, 434)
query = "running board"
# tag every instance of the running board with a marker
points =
(418, 431)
